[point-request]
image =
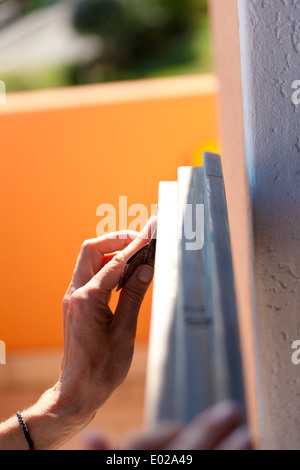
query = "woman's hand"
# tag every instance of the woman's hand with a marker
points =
(99, 344)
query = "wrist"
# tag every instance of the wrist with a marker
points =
(52, 421)
(81, 395)
(70, 409)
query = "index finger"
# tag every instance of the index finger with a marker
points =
(93, 252)
(108, 278)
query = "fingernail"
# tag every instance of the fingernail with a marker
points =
(148, 230)
(145, 273)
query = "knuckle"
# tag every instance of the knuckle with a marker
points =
(86, 246)
(77, 300)
(119, 258)
(94, 295)
(133, 295)
(85, 298)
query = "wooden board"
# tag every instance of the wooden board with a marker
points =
(194, 352)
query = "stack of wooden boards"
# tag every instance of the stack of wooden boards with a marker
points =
(194, 356)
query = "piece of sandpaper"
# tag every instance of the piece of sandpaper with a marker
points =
(145, 255)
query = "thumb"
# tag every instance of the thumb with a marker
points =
(130, 300)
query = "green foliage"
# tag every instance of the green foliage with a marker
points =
(142, 39)
(135, 30)
(31, 5)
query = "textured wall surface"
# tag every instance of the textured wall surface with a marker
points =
(270, 53)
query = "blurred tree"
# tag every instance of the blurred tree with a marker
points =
(134, 30)
(30, 5)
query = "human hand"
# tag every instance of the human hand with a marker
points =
(218, 428)
(99, 344)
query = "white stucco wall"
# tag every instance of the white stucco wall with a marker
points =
(270, 57)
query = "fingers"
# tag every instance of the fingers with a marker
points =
(93, 255)
(108, 278)
(208, 430)
(130, 300)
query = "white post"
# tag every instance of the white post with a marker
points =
(270, 47)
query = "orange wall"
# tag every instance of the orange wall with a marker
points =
(65, 152)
